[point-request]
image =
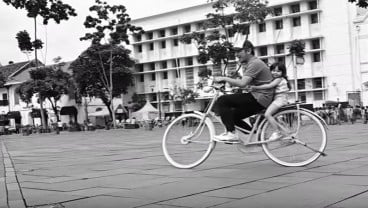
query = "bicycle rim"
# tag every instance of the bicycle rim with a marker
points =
(286, 151)
(187, 154)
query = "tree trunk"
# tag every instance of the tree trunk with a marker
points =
(43, 117)
(35, 38)
(86, 109)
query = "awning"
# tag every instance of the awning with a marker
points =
(36, 113)
(14, 114)
(68, 110)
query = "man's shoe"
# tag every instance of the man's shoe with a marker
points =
(227, 137)
(275, 135)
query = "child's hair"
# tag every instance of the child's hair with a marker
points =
(281, 67)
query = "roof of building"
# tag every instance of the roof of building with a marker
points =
(11, 68)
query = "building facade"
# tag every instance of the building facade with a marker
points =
(335, 64)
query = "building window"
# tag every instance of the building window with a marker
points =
(262, 27)
(149, 36)
(163, 65)
(5, 96)
(277, 11)
(186, 28)
(301, 84)
(317, 82)
(189, 78)
(265, 61)
(189, 61)
(153, 76)
(230, 31)
(312, 5)
(137, 37)
(176, 63)
(175, 42)
(162, 33)
(140, 67)
(315, 44)
(163, 44)
(263, 51)
(141, 78)
(200, 26)
(278, 25)
(280, 49)
(151, 47)
(152, 66)
(139, 48)
(318, 95)
(314, 18)
(316, 57)
(296, 22)
(295, 8)
(174, 31)
(303, 97)
(165, 75)
(281, 60)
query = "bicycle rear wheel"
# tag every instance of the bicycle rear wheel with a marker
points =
(183, 146)
(306, 142)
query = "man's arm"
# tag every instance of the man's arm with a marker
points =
(270, 85)
(235, 82)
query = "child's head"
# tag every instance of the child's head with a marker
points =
(278, 70)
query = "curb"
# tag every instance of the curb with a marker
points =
(14, 196)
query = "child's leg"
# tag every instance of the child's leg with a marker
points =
(269, 116)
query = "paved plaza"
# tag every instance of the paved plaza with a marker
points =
(126, 168)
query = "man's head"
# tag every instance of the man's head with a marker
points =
(246, 52)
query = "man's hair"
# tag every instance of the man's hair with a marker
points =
(247, 45)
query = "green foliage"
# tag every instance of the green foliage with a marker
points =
(47, 9)
(109, 18)
(360, 3)
(24, 41)
(91, 71)
(297, 48)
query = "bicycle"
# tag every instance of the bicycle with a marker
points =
(193, 136)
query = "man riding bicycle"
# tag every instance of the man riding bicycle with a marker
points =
(234, 108)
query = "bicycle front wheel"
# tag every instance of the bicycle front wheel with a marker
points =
(187, 142)
(306, 141)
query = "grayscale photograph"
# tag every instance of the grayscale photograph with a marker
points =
(183, 103)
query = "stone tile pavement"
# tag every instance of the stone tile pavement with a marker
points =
(126, 168)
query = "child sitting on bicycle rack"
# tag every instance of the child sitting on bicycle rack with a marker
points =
(282, 86)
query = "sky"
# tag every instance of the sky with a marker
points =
(63, 39)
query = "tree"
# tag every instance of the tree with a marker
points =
(360, 3)
(216, 46)
(50, 82)
(46, 9)
(138, 101)
(90, 72)
(110, 61)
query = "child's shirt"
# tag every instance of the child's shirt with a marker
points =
(282, 87)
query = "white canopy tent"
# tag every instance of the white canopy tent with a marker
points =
(147, 112)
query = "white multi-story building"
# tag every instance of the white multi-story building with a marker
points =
(336, 59)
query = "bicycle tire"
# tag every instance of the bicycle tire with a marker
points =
(288, 152)
(188, 155)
